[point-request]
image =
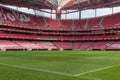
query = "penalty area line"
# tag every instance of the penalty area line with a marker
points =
(46, 71)
(34, 69)
(100, 69)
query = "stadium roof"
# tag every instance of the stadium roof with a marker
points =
(61, 4)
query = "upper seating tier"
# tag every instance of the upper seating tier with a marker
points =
(18, 19)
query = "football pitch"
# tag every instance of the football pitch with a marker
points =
(60, 65)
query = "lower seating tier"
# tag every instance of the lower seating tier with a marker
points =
(40, 45)
(29, 45)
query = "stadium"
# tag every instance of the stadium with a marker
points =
(59, 40)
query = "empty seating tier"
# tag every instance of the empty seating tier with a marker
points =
(36, 32)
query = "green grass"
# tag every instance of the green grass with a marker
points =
(60, 65)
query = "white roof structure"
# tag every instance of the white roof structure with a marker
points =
(61, 4)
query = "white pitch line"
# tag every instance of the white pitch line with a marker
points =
(89, 78)
(34, 69)
(100, 69)
(42, 70)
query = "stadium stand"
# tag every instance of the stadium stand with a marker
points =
(114, 46)
(101, 45)
(9, 45)
(35, 32)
